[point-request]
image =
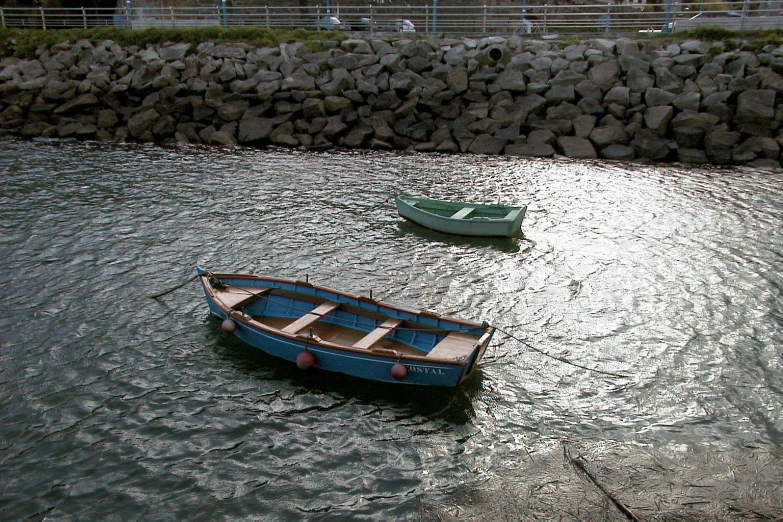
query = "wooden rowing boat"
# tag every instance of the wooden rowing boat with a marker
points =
(465, 219)
(337, 331)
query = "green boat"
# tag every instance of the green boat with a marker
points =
(464, 219)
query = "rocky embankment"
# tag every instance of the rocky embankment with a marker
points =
(694, 102)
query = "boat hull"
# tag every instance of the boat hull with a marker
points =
(361, 363)
(479, 220)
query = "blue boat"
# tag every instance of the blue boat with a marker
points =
(317, 327)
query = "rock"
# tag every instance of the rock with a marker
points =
(689, 137)
(719, 145)
(685, 155)
(254, 130)
(142, 122)
(618, 153)
(541, 150)
(623, 98)
(77, 104)
(575, 147)
(486, 144)
(652, 147)
(605, 136)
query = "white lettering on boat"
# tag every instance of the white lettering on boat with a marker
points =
(424, 369)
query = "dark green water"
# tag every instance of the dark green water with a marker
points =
(115, 406)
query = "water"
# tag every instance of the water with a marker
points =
(117, 406)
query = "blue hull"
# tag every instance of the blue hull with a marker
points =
(366, 364)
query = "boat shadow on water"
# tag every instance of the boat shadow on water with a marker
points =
(454, 405)
(509, 245)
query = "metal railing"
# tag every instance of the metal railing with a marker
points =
(463, 20)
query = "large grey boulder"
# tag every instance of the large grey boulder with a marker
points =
(254, 130)
(719, 145)
(575, 147)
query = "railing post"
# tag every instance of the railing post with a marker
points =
(266, 11)
(434, 16)
(223, 14)
(546, 12)
(668, 19)
(84, 17)
(128, 14)
(43, 18)
(171, 14)
(2, 17)
(745, 11)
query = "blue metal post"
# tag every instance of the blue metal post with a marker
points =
(223, 14)
(667, 24)
(434, 16)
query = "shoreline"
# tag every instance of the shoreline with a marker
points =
(616, 99)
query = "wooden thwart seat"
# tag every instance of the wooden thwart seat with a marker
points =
(512, 214)
(379, 333)
(453, 346)
(236, 297)
(310, 318)
(462, 213)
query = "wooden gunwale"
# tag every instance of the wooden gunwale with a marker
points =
(454, 349)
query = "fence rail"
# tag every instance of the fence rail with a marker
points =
(463, 20)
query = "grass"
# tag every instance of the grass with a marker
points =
(24, 42)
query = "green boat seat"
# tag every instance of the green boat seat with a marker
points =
(462, 213)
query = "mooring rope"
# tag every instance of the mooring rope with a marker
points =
(431, 330)
(161, 294)
(560, 359)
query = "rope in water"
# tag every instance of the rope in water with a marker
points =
(560, 359)
(218, 282)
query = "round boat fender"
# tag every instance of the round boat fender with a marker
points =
(228, 326)
(399, 371)
(305, 359)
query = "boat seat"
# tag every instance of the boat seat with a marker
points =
(235, 297)
(379, 333)
(463, 212)
(311, 317)
(454, 346)
(512, 214)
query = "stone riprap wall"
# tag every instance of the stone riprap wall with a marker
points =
(695, 102)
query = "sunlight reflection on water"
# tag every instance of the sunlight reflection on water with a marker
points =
(662, 274)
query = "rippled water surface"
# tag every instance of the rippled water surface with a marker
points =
(666, 279)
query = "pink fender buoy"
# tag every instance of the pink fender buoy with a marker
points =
(229, 326)
(399, 371)
(305, 360)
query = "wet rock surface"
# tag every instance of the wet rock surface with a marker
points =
(616, 481)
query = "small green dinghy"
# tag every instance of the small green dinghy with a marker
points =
(464, 219)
